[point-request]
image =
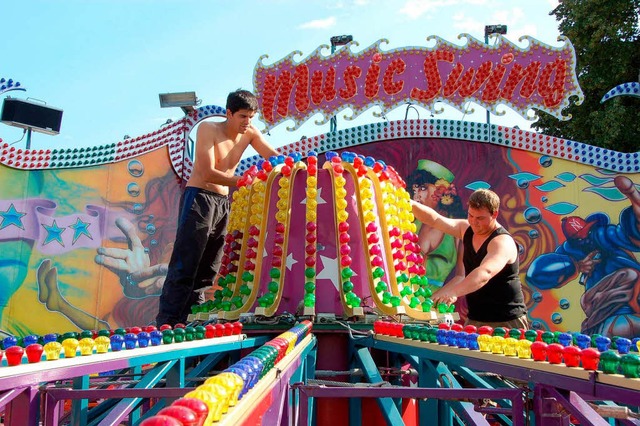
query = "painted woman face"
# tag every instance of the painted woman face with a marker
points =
(424, 194)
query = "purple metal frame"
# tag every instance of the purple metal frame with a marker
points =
(513, 394)
(553, 388)
(23, 387)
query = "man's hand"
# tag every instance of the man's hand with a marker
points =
(444, 295)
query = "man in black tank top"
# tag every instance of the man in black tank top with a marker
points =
(491, 285)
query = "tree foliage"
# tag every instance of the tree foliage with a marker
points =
(606, 38)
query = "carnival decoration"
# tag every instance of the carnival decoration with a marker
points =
(539, 76)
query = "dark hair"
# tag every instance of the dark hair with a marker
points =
(421, 177)
(241, 99)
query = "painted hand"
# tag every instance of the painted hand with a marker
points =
(138, 278)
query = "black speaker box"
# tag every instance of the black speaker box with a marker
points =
(31, 115)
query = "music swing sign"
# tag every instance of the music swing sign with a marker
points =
(537, 76)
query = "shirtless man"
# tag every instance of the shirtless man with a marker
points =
(491, 283)
(204, 206)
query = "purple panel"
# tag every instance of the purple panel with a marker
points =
(294, 276)
(327, 296)
(359, 265)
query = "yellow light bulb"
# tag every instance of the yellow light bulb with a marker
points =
(497, 345)
(70, 347)
(524, 349)
(102, 344)
(86, 346)
(52, 350)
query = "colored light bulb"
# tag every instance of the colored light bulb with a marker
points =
(14, 355)
(143, 339)
(103, 343)
(548, 337)
(609, 361)
(167, 336)
(583, 341)
(510, 346)
(554, 353)
(197, 406)
(590, 358)
(30, 339)
(50, 337)
(156, 337)
(623, 344)
(539, 351)
(484, 342)
(9, 341)
(52, 350)
(603, 343)
(462, 340)
(565, 339)
(472, 341)
(571, 356)
(70, 347)
(630, 365)
(500, 331)
(130, 340)
(185, 415)
(531, 335)
(86, 346)
(497, 344)
(524, 348)
(485, 329)
(117, 342)
(34, 352)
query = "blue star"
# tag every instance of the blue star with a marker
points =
(54, 232)
(11, 217)
(80, 228)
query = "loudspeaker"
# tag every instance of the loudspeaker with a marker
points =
(31, 115)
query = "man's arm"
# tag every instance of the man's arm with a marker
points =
(425, 214)
(206, 156)
(499, 252)
(260, 144)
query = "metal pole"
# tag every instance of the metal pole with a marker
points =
(337, 41)
(333, 123)
(486, 41)
(28, 138)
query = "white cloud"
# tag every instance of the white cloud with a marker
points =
(465, 24)
(319, 23)
(509, 16)
(414, 9)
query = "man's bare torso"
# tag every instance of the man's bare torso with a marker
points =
(226, 156)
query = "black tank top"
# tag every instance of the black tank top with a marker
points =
(500, 299)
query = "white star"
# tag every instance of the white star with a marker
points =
(319, 198)
(290, 261)
(329, 271)
(264, 249)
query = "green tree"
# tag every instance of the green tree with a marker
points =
(606, 38)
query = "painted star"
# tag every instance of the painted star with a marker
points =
(80, 228)
(319, 198)
(11, 217)
(329, 271)
(290, 261)
(54, 232)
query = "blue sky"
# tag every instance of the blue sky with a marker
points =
(104, 62)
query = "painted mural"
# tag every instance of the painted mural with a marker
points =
(85, 234)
